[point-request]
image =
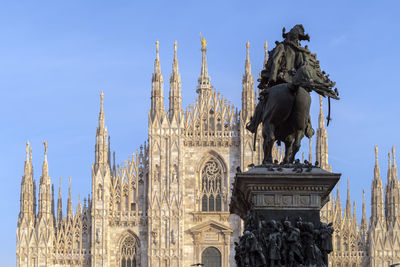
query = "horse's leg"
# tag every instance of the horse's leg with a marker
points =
(269, 140)
(297, 143)
(288, 150)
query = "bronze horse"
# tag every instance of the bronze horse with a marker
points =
(286, 111)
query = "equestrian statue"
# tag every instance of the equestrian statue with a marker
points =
(288, 78)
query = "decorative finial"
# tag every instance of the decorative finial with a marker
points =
(393, 151)
(45, 147)
(376, 155)
(363, 207)
(266, 53)
(203, 43)
(157, 64)
(27, 151)
(101, 114)
(175, 46)
(247, 48)
(320, 103)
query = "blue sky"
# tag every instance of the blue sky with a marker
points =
(57, 56)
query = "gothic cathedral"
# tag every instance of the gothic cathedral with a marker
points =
(168, 204)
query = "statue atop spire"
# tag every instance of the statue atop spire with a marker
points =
(101, 113)
(248, 97)
(247, 64)
(321, 149)
(175, 62)
(377, 203)
(69, 203)
(376, 167)
(45, 148)
(27, 151)
(59, 204)
(203, 43)
(348, 202)
(204, 85)
(393, 151)
(265, 53)
(394, 166)
(157, 64)
(175, 93)
(157, 93)
(45, 169)
(364, 217)
(28, 160)
(101, 150)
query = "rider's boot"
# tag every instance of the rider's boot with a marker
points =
(255, 120)
(252, 125)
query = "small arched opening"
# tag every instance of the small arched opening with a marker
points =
(211, 257)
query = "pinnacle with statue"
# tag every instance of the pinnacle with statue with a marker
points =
(291, 73)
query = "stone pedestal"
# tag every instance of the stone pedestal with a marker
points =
(277, 202)
(287, 192)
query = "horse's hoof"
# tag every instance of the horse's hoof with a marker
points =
(266, 162)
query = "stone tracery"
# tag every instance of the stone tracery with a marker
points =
(129, 252)
(212, 186)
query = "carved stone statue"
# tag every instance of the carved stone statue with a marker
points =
(325, 236)
(292, 245)
(253, 252)
(290, 74)
(265, 243)
(274, 242)
(312, 253)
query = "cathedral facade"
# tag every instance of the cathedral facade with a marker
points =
(168, 204)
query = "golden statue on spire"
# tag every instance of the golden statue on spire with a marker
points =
(203, 43)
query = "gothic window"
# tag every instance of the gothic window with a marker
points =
(211, 257)
(128, 252)
(211, 186)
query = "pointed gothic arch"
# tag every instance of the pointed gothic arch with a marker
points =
(212, 183)
(128, 250)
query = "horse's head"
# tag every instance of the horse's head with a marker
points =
(312, 79)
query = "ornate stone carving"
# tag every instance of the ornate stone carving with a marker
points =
(279, 243)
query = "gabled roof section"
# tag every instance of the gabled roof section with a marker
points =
(210, 224)
(211, 117)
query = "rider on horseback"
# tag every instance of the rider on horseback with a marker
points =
(284, 60)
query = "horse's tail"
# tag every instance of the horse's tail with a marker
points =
(328, 119)
(255, 139)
